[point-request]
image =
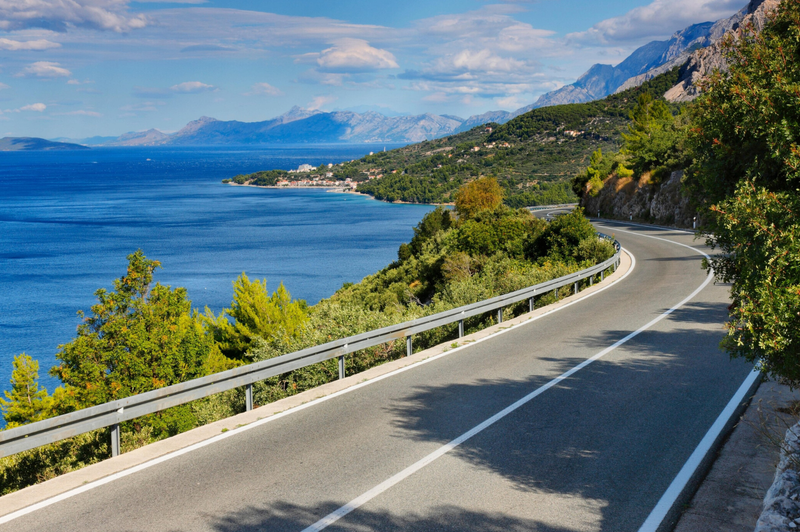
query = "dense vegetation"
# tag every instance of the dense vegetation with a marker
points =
(746, 146)
(532, 156)
(142, 335)
(738, 144)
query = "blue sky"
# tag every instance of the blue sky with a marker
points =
(76, 68)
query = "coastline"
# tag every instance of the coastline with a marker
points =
(338, 190)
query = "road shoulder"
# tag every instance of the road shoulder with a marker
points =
(730, 497)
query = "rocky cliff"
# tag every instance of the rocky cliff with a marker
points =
(642, 200)
(703, 63)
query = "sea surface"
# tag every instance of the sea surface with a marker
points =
(69, 219)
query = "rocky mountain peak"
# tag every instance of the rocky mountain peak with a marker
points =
(702, 63)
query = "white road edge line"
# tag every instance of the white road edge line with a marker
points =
(677, 486)
(410, 470)
(146, 465)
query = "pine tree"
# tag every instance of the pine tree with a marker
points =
(26, 402)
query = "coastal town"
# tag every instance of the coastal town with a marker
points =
(438, 158)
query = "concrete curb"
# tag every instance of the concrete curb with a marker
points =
(677, 497)
(39, 494)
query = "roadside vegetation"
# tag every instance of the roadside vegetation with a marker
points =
(739, 147)
(143, 335)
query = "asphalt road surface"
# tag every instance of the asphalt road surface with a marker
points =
(594, 451)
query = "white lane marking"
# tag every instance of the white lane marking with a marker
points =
(399, 477)
(644, 226)
(676, 487)
(146, 465)
(674, 490)
(701, 252)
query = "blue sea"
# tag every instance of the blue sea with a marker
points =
(69, 219)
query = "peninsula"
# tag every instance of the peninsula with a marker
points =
(35, 143)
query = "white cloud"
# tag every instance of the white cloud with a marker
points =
(264, 89)
(319, 102)
(61, 15)
(143, 107)
(474, 67)
(4, 86)
(511, 102)
(207, 48)
(45, 69)
(81, 112)
(480, 61)
(351, 55)
(436, 97)
(38, 107)
(656, 20)
(39, 44)
(171, 1)
(192, 87)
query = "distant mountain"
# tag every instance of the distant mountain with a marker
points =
(35, 143)
(151, 137)
(89, 141)
(650, 60)
(701, 63)
(499, 117)
(301, 126)
(601, 80)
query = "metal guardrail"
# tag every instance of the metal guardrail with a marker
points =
(545, 207)
(113, 413)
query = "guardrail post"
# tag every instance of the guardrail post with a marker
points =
(602, 275)
(591, 280)
(531, 304)
(500, 315)
(409, 346)
(576, 287)
(341, 366)
(248, 397)
(460, 328)
(556, 294)
(115, 439)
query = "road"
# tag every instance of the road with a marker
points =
(593, 452)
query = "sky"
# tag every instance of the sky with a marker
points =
(79, 68)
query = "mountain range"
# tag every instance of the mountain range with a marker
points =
(695, 49)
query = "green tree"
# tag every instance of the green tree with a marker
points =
(483, 194)
(139, 337)
(25, 402)
(561, 239)
(655, 138)
(256, 314)
(746, 178)
(432, 223)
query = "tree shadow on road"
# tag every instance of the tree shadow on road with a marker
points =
(615, 432)
(292, 517)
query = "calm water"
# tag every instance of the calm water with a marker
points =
(69, 219)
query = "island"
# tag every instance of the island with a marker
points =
(36, 144)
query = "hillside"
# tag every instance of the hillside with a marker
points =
(35, 143)
(534, 156)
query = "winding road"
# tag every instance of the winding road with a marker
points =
(438, 448)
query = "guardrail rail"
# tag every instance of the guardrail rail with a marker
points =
(113, 413)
